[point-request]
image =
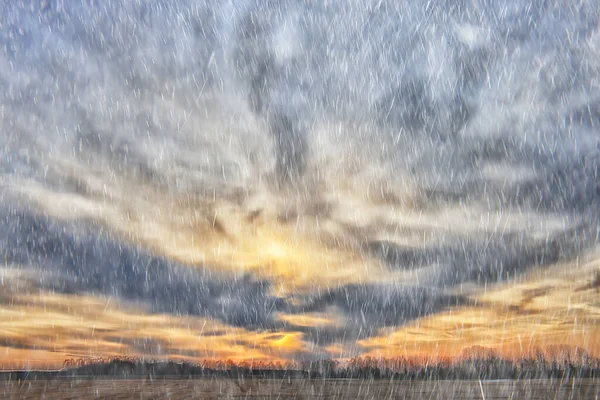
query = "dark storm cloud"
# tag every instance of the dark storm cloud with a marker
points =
(276, 92)
(78, 258)
(83, 258)
(366, 308)
(565, 181)
(487, 260)
(291, 147)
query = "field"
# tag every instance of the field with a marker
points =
(297, 389)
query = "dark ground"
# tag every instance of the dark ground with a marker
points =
(217, 388)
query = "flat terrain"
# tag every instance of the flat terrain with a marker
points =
(297, 389)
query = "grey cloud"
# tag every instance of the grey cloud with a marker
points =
(83, 258)
(367, 308)
(487, 260)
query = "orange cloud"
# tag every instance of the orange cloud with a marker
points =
(556, 308)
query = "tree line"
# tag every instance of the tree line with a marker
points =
(475, 362)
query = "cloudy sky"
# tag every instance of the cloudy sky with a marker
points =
(296, 180)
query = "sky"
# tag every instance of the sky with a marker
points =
(296, 180)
